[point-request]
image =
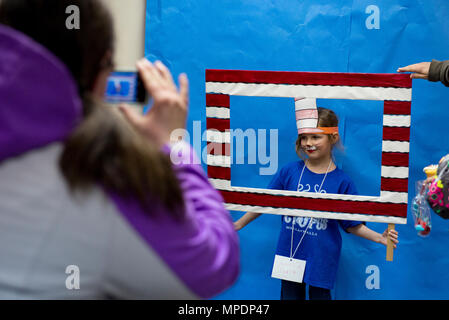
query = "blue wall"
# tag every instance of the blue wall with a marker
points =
(328, 36)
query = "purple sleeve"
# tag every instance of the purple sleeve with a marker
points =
(203, 251)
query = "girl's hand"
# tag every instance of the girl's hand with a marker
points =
(392, 235)
(170, 105)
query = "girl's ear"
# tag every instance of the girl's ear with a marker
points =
(335, 137)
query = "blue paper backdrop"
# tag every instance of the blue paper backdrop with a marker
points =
(328, 36)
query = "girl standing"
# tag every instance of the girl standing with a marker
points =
(315, 241)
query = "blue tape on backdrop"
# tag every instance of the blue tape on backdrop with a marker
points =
(321, 36)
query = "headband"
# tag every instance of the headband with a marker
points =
(306, 113)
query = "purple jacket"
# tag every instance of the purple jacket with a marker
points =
(47, 235)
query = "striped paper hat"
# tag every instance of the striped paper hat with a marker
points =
(307, 117)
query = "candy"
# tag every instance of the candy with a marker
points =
(438, 193)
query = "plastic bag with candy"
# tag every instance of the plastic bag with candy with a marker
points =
(421, 211)
(438, 194)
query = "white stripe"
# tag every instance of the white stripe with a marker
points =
(217, 112)
(316, 214)
(302, 104)
(385, 197)
(218, 136)
(395, 146)
(394, 172)
(221, 184)
(396, 121)
(218, 161)
(313, 91)
(394, 197)
(307, 123)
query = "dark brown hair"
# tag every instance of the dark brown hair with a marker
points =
(326, 118)
(104, 149)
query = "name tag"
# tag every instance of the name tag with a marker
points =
(290, 269)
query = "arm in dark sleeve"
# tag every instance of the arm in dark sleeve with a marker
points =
(439, 71)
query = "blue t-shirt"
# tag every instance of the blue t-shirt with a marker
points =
(321, 245)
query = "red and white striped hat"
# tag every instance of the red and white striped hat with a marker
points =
(307, 117)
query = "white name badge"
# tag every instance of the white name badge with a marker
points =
(290, 269)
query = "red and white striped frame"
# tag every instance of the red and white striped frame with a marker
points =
(394, 89)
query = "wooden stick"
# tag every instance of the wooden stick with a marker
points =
(390, 247)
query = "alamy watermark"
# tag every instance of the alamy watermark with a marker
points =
(373, 280)
(373, 20)
(73, 20)
(228, 147)
(72, 282)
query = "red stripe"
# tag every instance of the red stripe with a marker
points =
(219, 172)
(328, 205)
(218, 124)
(394, 184)
(311, 78)
(395, 159)
(217, 100)
(219, 149)
(396, 134)
(397, 107)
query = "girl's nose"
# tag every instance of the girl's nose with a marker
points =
(308, 142)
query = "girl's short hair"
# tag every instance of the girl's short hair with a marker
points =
(326, 118)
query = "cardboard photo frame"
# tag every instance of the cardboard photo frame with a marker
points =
(395, 90)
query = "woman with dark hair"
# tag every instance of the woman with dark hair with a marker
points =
(90, 204)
